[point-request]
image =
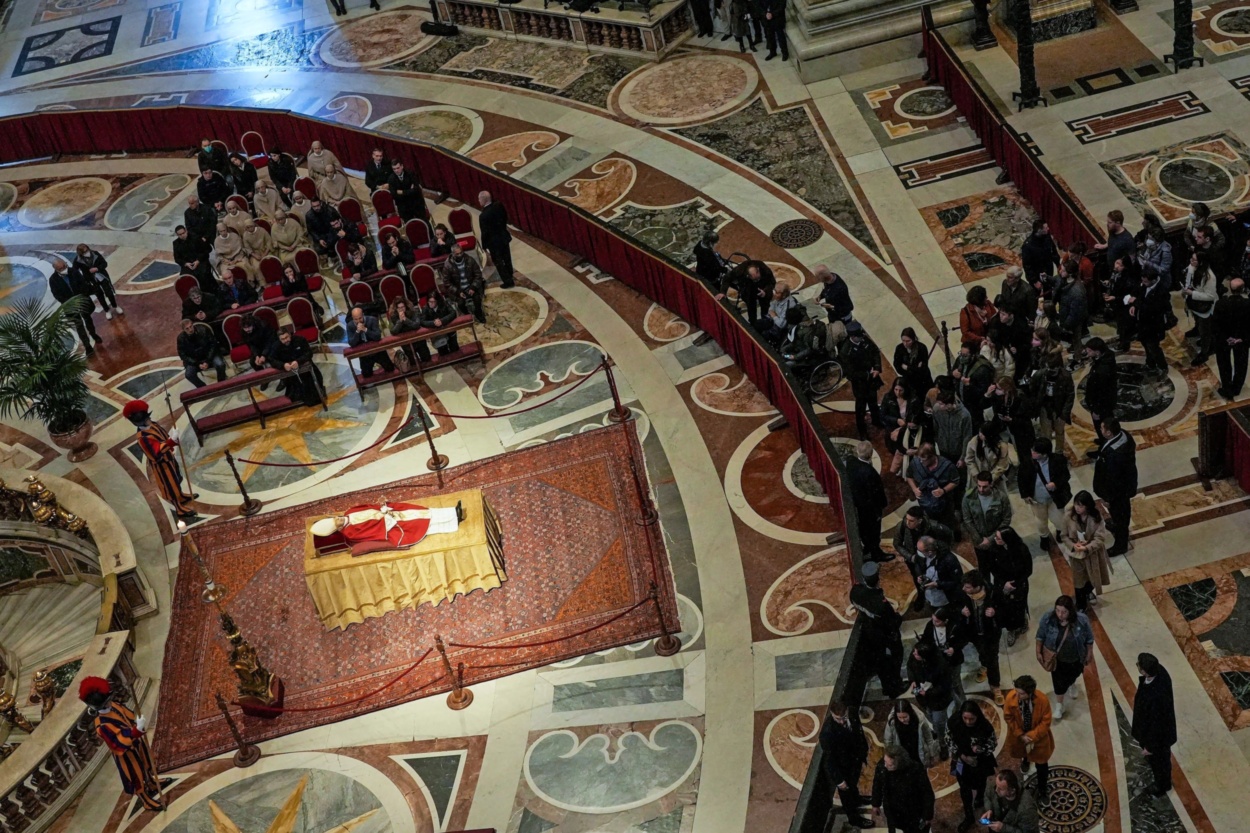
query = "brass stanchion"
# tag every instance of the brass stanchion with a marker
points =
(667, 644)
(249, 753)
(645, 505)
(619, 412)
(437, 462)
(250, 505)
(460, 697)
(212, 590)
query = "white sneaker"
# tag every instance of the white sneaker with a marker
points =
(108, 314)
(1073, 692)
(119, 310)
(1057, 713)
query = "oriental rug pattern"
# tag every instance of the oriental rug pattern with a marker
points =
(576, 559)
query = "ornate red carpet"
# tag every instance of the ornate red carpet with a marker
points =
(575, 558)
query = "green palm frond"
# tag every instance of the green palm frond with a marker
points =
(41, 371)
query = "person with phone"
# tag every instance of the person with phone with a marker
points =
(1008, 808)
(1029, 740)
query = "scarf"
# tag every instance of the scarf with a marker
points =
(1026, 713)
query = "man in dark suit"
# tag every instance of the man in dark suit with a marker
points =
(283, 173)
(880, 652)
(405, 186)
(844, 751)
(1149, 309)
(708, 264)
(363, 329)
(495, 237)
(213, 189)
(755, 282)
(1154, 720)
(1115, 480)
(868, 493)
(377, 172)
(320, 222)
(1232, 337)
(191, 255)
(775, 29)
(201, 221)
(66, 284)
(1102, 387)
(1046, 486)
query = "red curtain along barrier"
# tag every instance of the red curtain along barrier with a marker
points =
(1236, 449)
(534, 212)
(1068, 222)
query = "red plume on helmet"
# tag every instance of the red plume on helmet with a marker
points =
(93, 688)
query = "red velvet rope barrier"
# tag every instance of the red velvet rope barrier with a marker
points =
(620, 615)
(363, 697)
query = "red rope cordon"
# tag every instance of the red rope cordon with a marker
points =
(327, 462)
(620, 615)
(535, 407)
(362, 697)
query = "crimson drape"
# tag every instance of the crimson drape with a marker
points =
(1236, 449)
(1068, 222)
(533, 211)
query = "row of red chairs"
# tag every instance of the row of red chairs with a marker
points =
(420, 284)
(303, 319)
(271, 272)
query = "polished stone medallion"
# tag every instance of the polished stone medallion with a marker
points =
(1142, 395)
(670, 229)
(454, 128)
(981, 235)
(63, 202)
(1195, 180)
(1223, 28)
(687, 90)
(1214, 169)
(375, 40)
(1077, 801)
(795, 234)
(906, 109)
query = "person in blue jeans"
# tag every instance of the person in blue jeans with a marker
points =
(1065, 632)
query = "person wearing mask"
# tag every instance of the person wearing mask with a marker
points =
(243, 176)
(868, 495)
(496, 238)
(282, 173)
(197, 347)
(929, 679)
(1039, 255)
(1154, 720)
(708, 264)
(405, 186)
(364, 329)
(1013, 566)
(1065, 647)
(1045, 484)
(1156, 253)
(1008, 807)
(213, 189)
(94, 269)
(939, 575)
(904, 420)
(295, 283)
(1231, 335)
(292, 352)
(947, 632)
(201, 306)
(861, 361)
(975, 317)
(755, 282)
(404, 318)
(1115, 480)
(772, 326)
(377, 171)
(971, 742)
(844, 751)
(1029, 740)
(904, 728)
(1017, 295)
(1151, 308)
(66, 285)
(882, 642)
(1085, 546)
(397, 253)
(463, 278)
(907, 534)
(902, 796)
(212, 157)
(1102, 386)
(1120, 244)
(1200, 293)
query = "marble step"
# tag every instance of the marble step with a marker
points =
(822, 28)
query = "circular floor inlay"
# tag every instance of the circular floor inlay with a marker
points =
(374, 40)
(1234, 22)
(1195, 180)
(689, 89)
(1077, 801)
(925, 103)
(1141, 396)
(795, 234)
(63, 202)
(454, 128)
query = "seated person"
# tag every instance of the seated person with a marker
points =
(201, 306)
(773, 325)
(320, 221)
(803, 339)
(235, 294)
(191, 255)
(266, 201)
(259, 339)
(282, 172)
(439, 312)
(288, 236)
(197, 347)
(442, 242)
(404, 318)
(256, 243)
(291, 352)
(294, 283)
(243, 175)
(463, 279)
(364, 329)
(397, 254)
(361, 262)
(334, 186)
(212, 189)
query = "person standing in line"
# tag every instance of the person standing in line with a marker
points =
(844, 751)
(901, 792)
(868, 494)
(882, 640)
(861, 359)
(971, 741)
(1027, 714)
(1115, 481)
(930, 682)
(981, 605)
(1046, 486)
(905, 728)
(495, 237)
(1101, 386)
(915, 526)
(1065, 647)
(1085, 546)
(775, 29)
(947, 631)
(94, 268)
(1231, 335)
(1013, 565)
(986, 510)
(66, 284)
(1154, 720)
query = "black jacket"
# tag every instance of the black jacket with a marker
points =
(937, 674)
(905, 794)
(1115, 470)
(494, 224)
(917, 375)
(212, 157)
(741, 280)
(838, 297)
(260, 339)
(406, 189)
(405, 254)
(196, 347)
(707, 264)
(213, 190)
(956, 638)
(1150, 311)
(1020, 300)
(319, 224)
(867, 490)
(858, 362)
(844, 749)
(191, 249)
(209, 304)
(244, 178)
(978, 623)
(201, 222)
(1102, 386)
(377, 175)
(282, 171)
(69, 284)
(1039, 256)
(1154, 714)
(240, 292)
(93, 260)
(1231, 319)
(368, 265)
(1059, 475)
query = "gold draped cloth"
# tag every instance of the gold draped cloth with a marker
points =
(348, 589)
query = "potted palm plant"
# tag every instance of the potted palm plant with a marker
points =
(41, 372)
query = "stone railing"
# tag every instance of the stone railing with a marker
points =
(53, 766)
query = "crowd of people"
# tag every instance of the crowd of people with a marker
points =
(239, 216)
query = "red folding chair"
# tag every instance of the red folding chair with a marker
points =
(268, 316)
(253, 145)
(304, 320)
(418, 234)
(185, 284)
(423, 280)
(240, 275)
(392, 287)
(239, 351)
(461, 223)
(240, 201)
(271, 274)
(219, 143)
(342, 249)
(307, 186)
(265, 224)
(351, 211)
(384, 205)
(308, 265)
(359, 294)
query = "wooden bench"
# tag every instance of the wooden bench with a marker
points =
(472, 350)
(254, 410)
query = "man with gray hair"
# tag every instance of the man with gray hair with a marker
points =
(868, 495)
(1017, 295)
(939, 575)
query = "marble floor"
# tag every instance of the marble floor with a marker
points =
(887, 185)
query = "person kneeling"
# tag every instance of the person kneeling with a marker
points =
(291, 352)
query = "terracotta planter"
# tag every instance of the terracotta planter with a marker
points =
(77, 442)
